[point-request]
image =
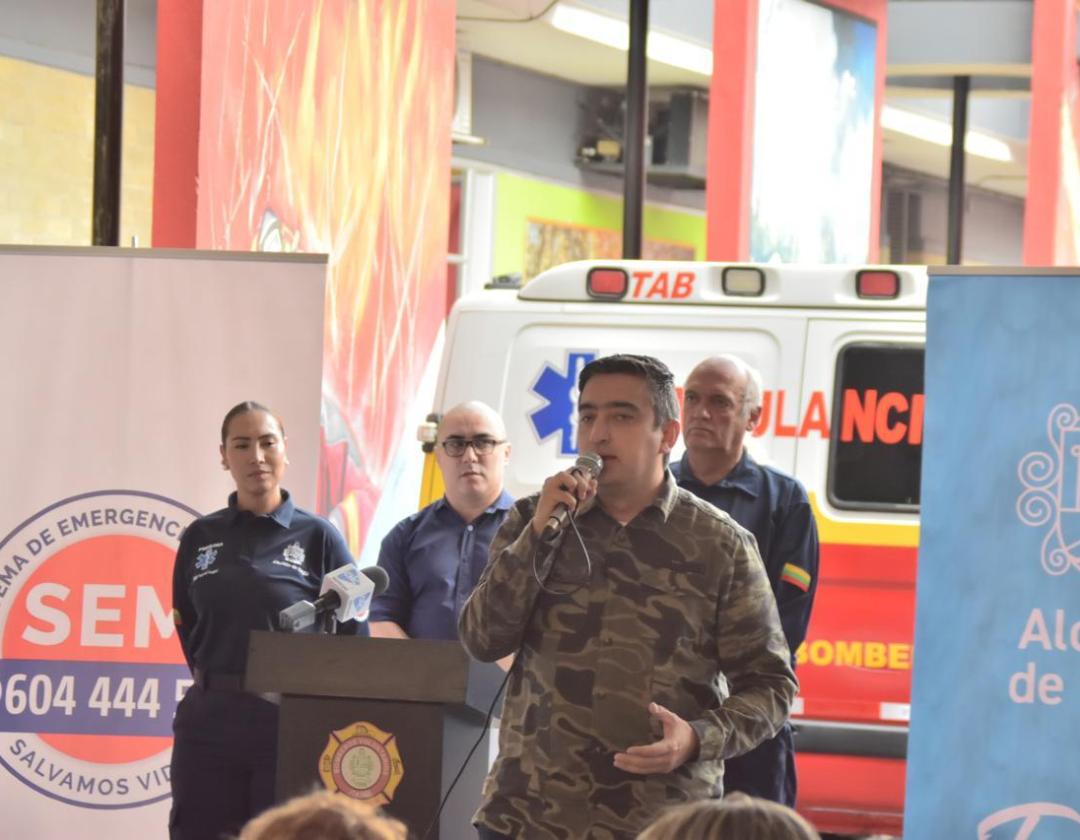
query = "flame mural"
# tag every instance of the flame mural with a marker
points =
(325, 127)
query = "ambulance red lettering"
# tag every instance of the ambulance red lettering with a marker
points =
(889, 403)
(816, 418)
(648, 286)
(782, 429)
(858, 414)
(684, 285)
(659, 287)
(866, 416)
(873, 418)
(915, 424)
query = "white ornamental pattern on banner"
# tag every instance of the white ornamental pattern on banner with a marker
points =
(1051, 492)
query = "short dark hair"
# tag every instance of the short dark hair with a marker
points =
(244, 408)
(658, 377)
(323, 814)
(739, 815)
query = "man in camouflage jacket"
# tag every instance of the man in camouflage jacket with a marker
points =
(652, 650)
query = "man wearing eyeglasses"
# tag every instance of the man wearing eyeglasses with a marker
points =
(721, 403)
(435, 557)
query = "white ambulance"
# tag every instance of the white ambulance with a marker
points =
(840, 350)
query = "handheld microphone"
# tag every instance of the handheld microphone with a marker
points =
(589, 465)
(346, 592)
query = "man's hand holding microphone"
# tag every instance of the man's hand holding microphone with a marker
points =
(563, 494)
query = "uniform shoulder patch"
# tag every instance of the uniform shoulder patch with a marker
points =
(796, 576)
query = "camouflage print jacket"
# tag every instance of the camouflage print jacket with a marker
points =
(677, 603)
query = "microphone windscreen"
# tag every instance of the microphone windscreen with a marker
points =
(378, 577)
(589, 463)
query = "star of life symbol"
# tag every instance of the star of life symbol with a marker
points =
(294, 554)
(1052, 491)
(558, 388)
(206, 556)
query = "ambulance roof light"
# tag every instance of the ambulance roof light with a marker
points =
(743, 281)
(505, 281)
(607, 283)
(877, 283)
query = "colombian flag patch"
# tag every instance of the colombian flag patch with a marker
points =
(796, 576)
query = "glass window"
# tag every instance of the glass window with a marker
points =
(876, 439)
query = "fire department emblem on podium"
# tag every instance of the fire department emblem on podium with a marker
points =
(1051, 495)
(362, 761)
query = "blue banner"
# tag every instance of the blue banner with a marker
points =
(995, 731)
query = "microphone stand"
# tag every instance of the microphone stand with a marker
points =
(327, 623)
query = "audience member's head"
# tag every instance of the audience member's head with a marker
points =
(323, 816)
(738, 817)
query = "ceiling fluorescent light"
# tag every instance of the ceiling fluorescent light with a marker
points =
(595, 27)
(679, 53)
(939, 132)
(611, 32)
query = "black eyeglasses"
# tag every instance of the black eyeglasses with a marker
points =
(455, 447)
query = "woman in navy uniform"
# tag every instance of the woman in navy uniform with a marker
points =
(236, 569)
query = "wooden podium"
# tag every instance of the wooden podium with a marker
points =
(388, 720)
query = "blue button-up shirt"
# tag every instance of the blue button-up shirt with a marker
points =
(434, 559)
(775, 508)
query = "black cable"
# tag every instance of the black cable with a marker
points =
(502, 686)
(483, 732)
(540, 581)
(529, 19)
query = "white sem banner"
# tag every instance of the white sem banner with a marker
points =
(117, 368)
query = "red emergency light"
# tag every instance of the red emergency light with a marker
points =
(607, 283)
(877, 283)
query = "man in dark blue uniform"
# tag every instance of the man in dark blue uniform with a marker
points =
(722, 402)
(236, 569)
(435, 557)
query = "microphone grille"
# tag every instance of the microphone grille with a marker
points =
(378, 577)
(589, 463)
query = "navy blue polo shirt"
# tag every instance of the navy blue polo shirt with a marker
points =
(434, 559)
(236, 570)
(774, 507)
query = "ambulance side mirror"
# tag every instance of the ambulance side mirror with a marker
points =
(427, 433)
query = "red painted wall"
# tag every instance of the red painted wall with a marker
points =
(176, 122)
(288, 125)
(1052, 208)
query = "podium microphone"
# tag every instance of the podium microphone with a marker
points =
(346, 592)
(589, 465)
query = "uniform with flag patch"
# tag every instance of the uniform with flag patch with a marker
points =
(796, 577)
(775, 508)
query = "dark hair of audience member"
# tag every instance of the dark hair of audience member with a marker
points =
(323, 816)
(738, 817)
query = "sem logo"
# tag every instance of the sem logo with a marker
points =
(90, 673)
(1052, 494)
(559, 390)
